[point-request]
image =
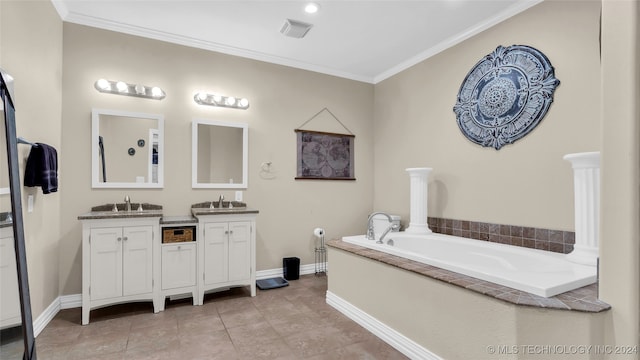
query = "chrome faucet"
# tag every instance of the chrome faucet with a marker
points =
(220, 199)
(370, 232)
(390, 228)
(127, 202)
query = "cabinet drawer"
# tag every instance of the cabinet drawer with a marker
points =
(178, 265)
(178, 234)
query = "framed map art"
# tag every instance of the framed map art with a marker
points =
(324, 156)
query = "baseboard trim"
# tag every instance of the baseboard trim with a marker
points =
(70, 301)
(408, 347)
(304, 270)
(47, 315)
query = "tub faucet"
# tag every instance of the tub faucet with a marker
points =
(370, 232)
(390, 228)
(127, 202)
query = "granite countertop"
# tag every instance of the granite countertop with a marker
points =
(95, 215)
(204, 208)
(225, 211)
(106, 212)
(5, 220)
(583, 299)
(188, 219)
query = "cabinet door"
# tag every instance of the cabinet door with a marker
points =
(178, 265)
(216, 249)
(239, 250)
(106, 263)
(9, 297)
(137, 260)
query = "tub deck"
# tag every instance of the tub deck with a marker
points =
(583, 299)
(542, 273)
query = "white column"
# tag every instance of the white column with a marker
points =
(418, 216)
(586, 182)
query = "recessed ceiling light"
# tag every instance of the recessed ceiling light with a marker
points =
(311, 8)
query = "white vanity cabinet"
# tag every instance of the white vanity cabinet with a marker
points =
(9, 295)
(120, 261)
(226, 251)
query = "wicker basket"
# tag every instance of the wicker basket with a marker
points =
(178, 234)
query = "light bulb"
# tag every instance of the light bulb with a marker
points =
(103, 84)
(140, 90)
(311, 8)
(244, 102)
(217, 98)
(230, 101)
(156, 91)
(121, 86)
(202, 96)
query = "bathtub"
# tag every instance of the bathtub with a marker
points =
(537, 272)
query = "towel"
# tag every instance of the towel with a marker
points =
(42, 168)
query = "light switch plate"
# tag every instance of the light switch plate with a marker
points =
(238, 195)
(30, 203)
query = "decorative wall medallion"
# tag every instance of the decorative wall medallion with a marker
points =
(505, 96)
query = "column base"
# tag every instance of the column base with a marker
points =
(418, 229)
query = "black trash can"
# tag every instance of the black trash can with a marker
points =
(291, 268)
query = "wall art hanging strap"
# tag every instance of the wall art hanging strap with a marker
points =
(318, 114)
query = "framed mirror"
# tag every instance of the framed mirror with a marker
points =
(127, 149)
(219, 154)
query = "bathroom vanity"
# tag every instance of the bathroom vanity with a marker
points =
(130, 255)
(227, 249)
(120, 258)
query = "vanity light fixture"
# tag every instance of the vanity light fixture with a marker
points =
(123, 88)
(203, 98)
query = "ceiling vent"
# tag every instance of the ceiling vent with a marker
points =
(295, 29)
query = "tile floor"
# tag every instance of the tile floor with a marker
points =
(293, 322)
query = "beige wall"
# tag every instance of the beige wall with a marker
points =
(281, 99)
(526, 183)
(31, 51)
(620, 214)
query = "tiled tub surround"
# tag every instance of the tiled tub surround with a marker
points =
(535, 238)
(583, 299)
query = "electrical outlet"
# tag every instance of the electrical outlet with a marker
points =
(238, 195)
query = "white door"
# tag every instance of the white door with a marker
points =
(178, 265)
(106, 263)
(216, 250)
(239, 250)
(9, 297)
(137, 260)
